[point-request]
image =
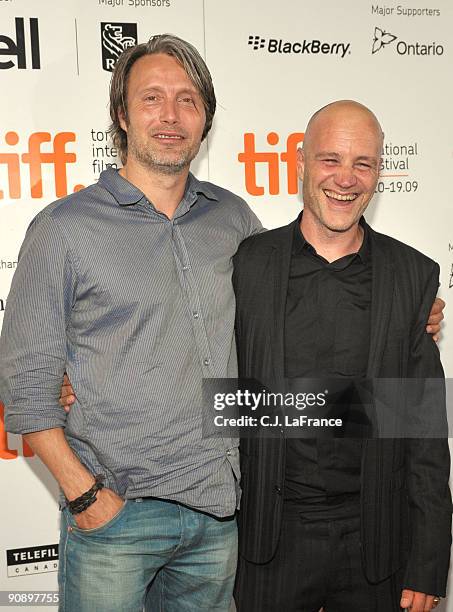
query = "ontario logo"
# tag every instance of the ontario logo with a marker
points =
(32, 560)
(116, 38)
(382, 39)
(301, 47)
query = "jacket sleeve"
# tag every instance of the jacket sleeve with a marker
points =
(428, 465)
(33, 340)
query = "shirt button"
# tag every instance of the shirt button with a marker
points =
(206, 362)
(185, 267)
(228, 452)
(278, 489)
(195, 314)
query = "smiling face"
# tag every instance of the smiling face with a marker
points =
(339, 166)
(165, 116)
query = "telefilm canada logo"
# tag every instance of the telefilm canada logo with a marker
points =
(115, 38)
(301, 47)
(383, 39)
(22, 49)
(32, 560)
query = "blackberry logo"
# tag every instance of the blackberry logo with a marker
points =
(257, 42)
(116, 37)
(303, 47)
(381, 39)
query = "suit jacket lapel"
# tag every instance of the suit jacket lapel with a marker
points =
(281, 261)
(382, 288)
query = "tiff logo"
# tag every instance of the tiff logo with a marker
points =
(257, 42)
(34, 158)
(5, 451)
(116, 38)
(250, 157)
(18, 47)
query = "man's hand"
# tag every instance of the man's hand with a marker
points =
(417, 602)
(67, 396)
(106, 506)
(435, 317)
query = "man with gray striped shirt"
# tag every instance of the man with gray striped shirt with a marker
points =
(126, 285)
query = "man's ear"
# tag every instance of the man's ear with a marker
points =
(122, 119)
(300, 163)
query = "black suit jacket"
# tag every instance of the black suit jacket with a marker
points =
(405, 499)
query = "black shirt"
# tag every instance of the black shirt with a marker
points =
(327, 331)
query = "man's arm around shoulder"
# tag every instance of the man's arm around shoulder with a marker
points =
(428, 468)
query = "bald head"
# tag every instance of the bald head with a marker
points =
(339, 167)
(342, 112)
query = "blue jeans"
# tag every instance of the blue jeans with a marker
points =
(185, 559)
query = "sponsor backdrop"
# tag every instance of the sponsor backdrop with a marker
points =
(273, 64)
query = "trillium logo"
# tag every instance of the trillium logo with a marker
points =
(381, 39)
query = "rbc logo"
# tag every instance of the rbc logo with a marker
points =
(116, 38)
(250, 157)
(34, 158)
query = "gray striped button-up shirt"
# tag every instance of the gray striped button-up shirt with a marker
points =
(137, 308)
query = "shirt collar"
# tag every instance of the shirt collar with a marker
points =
(196, 186)
(300, 243)
(125, 193)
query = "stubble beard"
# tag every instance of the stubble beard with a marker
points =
(159, 162)
(338, 228)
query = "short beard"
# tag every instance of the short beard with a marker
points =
(159, 165)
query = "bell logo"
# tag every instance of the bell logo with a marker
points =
(250, 157)
(34, 158)
(5, 451)
(18, 48)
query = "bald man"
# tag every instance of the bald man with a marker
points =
(353, 525)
